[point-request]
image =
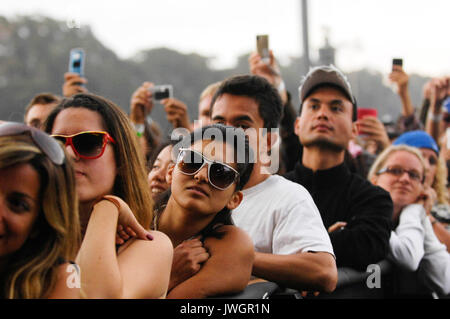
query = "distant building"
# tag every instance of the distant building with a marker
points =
(327, 53)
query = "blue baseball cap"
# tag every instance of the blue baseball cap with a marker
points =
(446, 104)
(419, 139)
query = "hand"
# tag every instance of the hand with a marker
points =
(374, 129)
(187, 260)
(271, 72)
(177, 113)
(73, 84)
(427, 198)
(304, 293)
(141, 103)
(437, 88)
(127, 224)
(336, 226)
(399, 77)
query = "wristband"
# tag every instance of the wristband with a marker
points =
(281, 87)
(436, 118)
(139, 128)
(110, 199)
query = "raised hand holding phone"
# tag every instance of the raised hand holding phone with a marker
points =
(74, 81)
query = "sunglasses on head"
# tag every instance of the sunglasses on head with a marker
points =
(220, 175)
(87, 145)
(46, 144)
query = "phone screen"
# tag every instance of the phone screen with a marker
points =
(398, 62)
(262, 46)
(76, 61)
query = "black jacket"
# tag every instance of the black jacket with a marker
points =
(344, 196)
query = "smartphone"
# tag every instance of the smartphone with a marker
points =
(76, 61)
(161, 92)
(363, 112)
(397, 61)
(262, 47)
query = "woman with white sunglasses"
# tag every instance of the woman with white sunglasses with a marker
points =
(212, 257)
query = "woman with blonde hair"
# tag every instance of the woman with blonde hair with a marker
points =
(114, 199)
(39, 223)
(401, 170)
(436, 178)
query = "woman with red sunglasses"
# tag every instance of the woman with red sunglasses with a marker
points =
(212, 256)
(114, 201)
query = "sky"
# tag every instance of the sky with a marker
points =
(366, 34)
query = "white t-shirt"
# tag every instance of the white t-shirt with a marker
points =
(281, 218)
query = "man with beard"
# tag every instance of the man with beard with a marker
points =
(356, 213)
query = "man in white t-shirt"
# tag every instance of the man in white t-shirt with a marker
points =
(291, 243)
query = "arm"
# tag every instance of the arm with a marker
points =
(315, 271)
(67, 283)
(188, 258)
(227, 270)
(435, 91)
(271, 72)
(365, 239)
(401, 79)
(434, 268)
(441, 232)
(301, 255)
(141, 103)
(429, 198)
(143, 275)
(407, 241)
(132, 274)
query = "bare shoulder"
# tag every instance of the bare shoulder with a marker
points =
(233, 238)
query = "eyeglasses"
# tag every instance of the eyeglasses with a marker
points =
(220, 175)
(87, 145)
(399, 171)
(47, 145)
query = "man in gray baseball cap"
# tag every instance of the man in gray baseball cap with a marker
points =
(356, 214)
(326, 76)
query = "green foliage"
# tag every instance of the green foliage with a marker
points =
(34, 54)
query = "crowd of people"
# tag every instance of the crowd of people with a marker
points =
(98, 203)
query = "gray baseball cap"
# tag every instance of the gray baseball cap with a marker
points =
(324, 74)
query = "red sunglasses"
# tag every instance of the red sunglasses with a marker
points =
(87, 145)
